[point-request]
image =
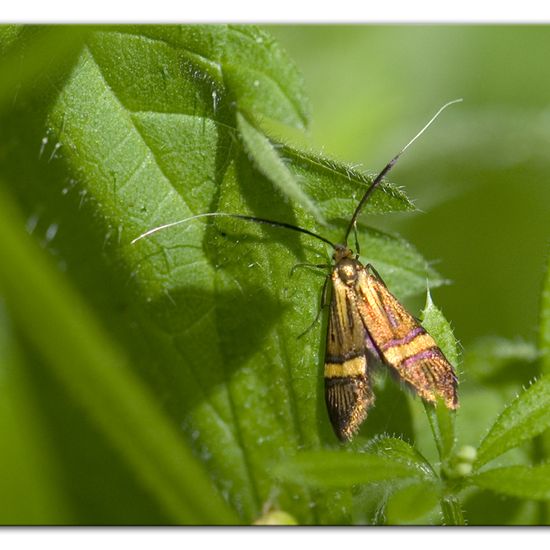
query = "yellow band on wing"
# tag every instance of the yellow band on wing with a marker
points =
(351, 367)
(396, 354)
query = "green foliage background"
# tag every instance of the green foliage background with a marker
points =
(163, 382)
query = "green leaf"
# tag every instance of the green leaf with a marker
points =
(412, 502)
(527, 416)
(440, 329)
(396, 449)
(518, 481)
(82, 357)
(401, 266)
(262, 78)
(441, 419)
(221, 63)
(269, 163)
(337, 469)
(338, 187)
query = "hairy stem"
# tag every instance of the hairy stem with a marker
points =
(452, 511)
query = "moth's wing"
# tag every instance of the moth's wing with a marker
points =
(403, 344)
(348, 391)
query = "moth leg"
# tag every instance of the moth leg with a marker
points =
(324, 304)
(370, 267)
(315, 266)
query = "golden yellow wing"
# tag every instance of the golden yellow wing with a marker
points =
(403, 344)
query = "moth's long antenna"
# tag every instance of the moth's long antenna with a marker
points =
(239, 217)
(387, 168)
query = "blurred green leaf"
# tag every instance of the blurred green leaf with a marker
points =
(31, 54)
(9, 35)
(544, 324)
(495, 357)
(412, 502)
(544, 349)
(81, 355)
(529, 482)
(527, 416)
(369, 502)
(29, 480)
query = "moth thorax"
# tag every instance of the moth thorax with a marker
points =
(347, 270)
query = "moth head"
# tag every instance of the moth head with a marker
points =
(341, 252)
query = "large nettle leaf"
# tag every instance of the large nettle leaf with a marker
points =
(155, 124)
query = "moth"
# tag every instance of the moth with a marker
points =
(367, 325)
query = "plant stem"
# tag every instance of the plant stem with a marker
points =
(452, 512)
